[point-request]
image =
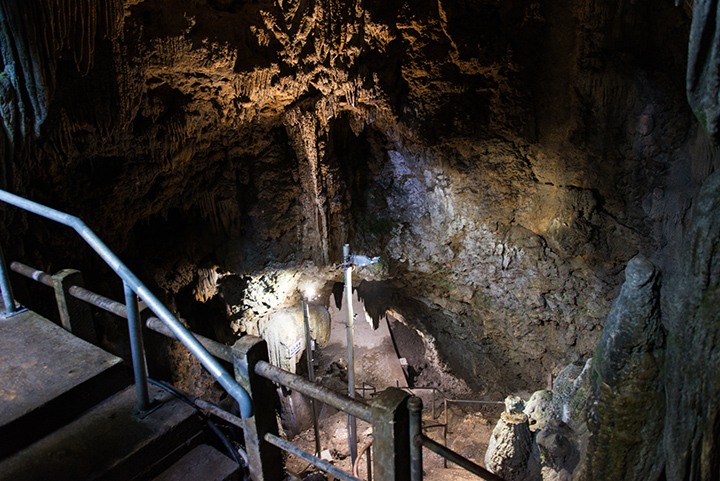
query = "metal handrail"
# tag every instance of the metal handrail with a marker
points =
(342, 403)
(412, 390)
(217, 349)
(418, 440)
(305, 456)
(133, 284)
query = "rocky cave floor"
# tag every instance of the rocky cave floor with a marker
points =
(470, 428)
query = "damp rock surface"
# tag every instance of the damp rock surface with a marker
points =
(505, 159)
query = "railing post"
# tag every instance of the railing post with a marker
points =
(137, 350)
(75, 315)
(415, 407)
(391, 439)
(264, 459)
(7, 294)
(445, 431)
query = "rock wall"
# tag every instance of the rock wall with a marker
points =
(505, 158)
(691, 376)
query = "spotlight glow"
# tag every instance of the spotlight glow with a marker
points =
(309, 292)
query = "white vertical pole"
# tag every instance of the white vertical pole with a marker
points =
(352, 424)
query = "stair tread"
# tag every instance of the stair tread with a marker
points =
(107, 442)
(48, 375)
(204, 462)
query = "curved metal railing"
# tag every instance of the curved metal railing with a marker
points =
(133, 286)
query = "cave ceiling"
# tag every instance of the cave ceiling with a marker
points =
(507, 158)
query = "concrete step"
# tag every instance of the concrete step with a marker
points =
(202, 463)
(109, 442)
(47, 378)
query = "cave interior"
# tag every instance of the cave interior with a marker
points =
(538, 179)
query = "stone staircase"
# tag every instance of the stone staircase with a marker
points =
(67, 413)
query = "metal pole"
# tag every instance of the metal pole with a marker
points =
(415, 408)
(311, 374)
(368, 457)
(7, 294)
(137, 350)
(433, 403)
(458, 459)
(352, 423)
(305, 456)
(445, 431)
(321, 393)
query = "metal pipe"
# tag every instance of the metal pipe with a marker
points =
(7, 294)
(459, 460)
(474, 402)
(27, 271)
(97, 300)
(217, 349)
(311, 374)
(445, 431)
(415, 407)
(362, 451)
(221, 413)
(352, 424)
(433, 403)
(77, 292)
(137, 350)
(305, 456)
(321, 393)
(182, 334)
(369, 462)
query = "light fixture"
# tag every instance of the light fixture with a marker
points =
(309, 292)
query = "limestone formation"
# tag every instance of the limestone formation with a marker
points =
(692, 375)
(703, 64)
(284, 332)
(509, 449)
(553, 446)
(625, 419)
(555, 453)
(506, 160)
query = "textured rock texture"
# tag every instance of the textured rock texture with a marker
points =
(628, 399)
(509, 449)
(506, 158)
(692, 378)
(703, 65)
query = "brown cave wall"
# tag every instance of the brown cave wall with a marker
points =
(505, 158)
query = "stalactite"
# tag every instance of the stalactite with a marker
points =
(302, 129)
(207, 283)
(33, 37)
(222, 214)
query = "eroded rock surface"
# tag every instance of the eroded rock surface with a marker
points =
(505, 158)
(628, 399)
(509, 449)
(692, 378)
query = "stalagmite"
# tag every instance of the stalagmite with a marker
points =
(509, 448)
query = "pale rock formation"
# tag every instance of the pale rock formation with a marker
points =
(509, 448)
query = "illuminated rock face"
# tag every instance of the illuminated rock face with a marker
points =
(505, 158)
